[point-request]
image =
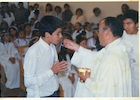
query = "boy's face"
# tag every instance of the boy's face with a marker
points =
(21, 35)
(77, 26)
(97, 14)
(28, 28)
(83, 43)
(56, 36)
(129, 26)
(88, 27)
(12, 31)
(6, 37)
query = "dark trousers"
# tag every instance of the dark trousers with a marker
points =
(55, 94)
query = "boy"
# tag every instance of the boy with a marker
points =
(41, 62)
(131, 37)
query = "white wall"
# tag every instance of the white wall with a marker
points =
(107, 8)
(16, 3)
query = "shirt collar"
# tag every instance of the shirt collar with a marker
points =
(124, 32)
(43, 43)
(114, 43)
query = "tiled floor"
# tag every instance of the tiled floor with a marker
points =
(5, 92)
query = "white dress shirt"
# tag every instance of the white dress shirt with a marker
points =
(110, 71)
(94, 19)
(80, 19)
(39, 79)
(21, 42)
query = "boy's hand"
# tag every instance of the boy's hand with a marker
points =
(59, 66)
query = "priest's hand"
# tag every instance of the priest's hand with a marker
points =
(71, 45)
(12, 59)
(84, 77)
(59, 66)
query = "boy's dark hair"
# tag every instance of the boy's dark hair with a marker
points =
(2, 35)
(15, 28)
(49, 24)
(49, 5)
(36, 4)
(36, 12)
(79, 9)
(58, 7)
(126, 6)
(68, 35)
(81, 37)
(66, 5)
(35, 32)
(86, 24)
(96, 9)
(115, 26)
(132, 14)
(20, 3)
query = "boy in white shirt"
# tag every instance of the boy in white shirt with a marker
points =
(41, 63)
(131, 37)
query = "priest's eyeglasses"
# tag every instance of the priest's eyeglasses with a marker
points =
(102, 30)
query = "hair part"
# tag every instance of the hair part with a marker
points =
(115, 25)
(49, 24)
(132, 14)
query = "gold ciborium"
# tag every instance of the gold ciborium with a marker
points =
(83, 71)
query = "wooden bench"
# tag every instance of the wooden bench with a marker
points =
(21, 51)
(61, 91)
(3, 77)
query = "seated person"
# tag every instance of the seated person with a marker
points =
(9, 61)
(21, 40)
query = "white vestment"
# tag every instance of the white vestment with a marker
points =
(110, 71)
(133, 41)
(12, 71)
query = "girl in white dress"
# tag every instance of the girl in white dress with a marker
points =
(21, 40)
(8, 58)
(78, 17)
(68, 79)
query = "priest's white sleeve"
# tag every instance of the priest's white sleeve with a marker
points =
(83, 57)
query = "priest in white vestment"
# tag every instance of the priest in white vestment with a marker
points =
(110, 68)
